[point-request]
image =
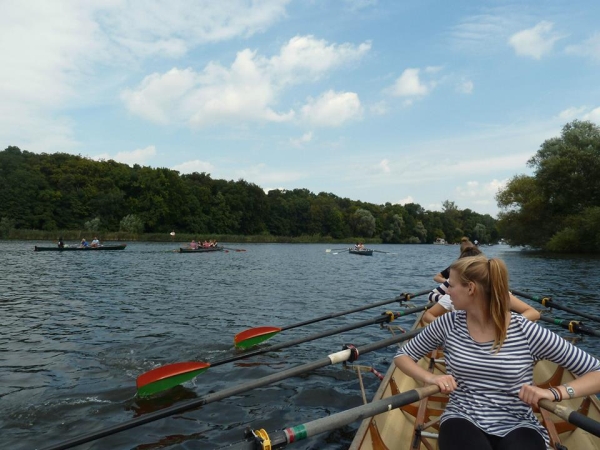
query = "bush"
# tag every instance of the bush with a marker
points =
(6, 226)
(132, 224)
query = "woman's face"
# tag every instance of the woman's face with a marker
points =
(460, 294)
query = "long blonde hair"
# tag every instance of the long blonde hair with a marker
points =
(491, 276)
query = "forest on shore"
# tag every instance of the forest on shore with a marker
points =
(63, 193)
(556, 209)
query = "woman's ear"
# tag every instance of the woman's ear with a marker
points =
(471, 288)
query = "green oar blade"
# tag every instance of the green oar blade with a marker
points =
(167, 377)
(254, 336)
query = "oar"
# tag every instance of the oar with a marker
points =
(280, 439)
(381, 251)
(235, 249)
(572, 416)
(548, 303)
(254, 336)
(573, 326)
(171, 375)
(334, 358)
(335, 250)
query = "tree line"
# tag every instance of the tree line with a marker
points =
(67, 192)
(558, 207)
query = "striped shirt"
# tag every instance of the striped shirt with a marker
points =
(439, 292)
(488, 383)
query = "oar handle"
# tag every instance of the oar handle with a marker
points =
(548, 303)
(572, 416)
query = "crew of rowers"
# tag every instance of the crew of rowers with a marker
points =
(205, 244)
(359, 246)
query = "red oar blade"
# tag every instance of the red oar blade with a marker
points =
(167, 377)
(254, 336)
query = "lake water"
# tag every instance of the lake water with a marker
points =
(79, 327)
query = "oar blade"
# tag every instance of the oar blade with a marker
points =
(254, 336)
(167, 377)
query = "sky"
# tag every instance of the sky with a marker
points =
(380, 101)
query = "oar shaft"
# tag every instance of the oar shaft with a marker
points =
(281, 439)
(571, 325)
(400, 298)
(210, 398)
(381, 319)
(545, 301)
(572, 416)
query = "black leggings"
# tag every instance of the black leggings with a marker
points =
(460, 434)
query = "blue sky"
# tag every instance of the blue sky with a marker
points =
(380, 101)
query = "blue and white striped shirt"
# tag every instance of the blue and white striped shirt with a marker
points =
(488, 383)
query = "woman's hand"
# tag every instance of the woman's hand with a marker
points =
(446, 383)
(533, 394)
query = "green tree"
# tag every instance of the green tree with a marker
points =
(541, 210)
(132, 224)
(363, 223)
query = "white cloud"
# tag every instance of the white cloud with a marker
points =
(379, 108)
(139, 156)
(262, 175)
(304, 139)
(581, 113)
(465, 87)
(305, 58)
(332, 109)
(248, 90)
(535, 42)
(589, 48)
(406, 200)
(572, 112)
(384, 166)
(481, 193)
(55, 53)
(409, 84)
(593, 116)
(194, 166)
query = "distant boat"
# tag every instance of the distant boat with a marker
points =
(77, 249)
(363, 252)
(440, 241)
(200, 249)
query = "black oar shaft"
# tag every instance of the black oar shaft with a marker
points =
(381, 319)
(281, 439)
(572, 325)
(547, 302)
(400, 298)
(220, 395)
(572, 416)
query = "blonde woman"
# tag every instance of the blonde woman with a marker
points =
(490, 353)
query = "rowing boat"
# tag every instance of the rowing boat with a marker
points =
(200, 249)
(83, 249)
(365, 252)
(415, 426)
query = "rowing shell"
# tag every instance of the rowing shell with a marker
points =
(415, 426)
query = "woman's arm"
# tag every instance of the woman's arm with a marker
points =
(446, 383)
(439, 278)
(588, 384)
(433, 313)
(527, 311)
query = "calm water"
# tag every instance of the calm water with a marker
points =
(78, 328)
